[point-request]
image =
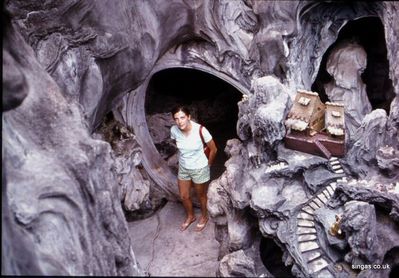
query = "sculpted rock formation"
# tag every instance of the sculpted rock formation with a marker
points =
(346, 64)
(80, 150)
(61, 210)
(261, 116)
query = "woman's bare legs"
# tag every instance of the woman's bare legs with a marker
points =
(201, 190)
(184, 189)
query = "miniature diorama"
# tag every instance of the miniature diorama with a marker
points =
(314, 127)
(301, 99)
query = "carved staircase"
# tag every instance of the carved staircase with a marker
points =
(308, 244)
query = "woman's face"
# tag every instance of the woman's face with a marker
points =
(182, 120)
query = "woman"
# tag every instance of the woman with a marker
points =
(194, 167)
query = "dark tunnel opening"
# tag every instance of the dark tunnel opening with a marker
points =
(394, 272)
(369, 33)
(212, 103)
(272, 258)
(391, 262)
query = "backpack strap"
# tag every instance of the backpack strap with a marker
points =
(202, 137)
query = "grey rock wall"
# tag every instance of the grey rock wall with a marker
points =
(61, 211)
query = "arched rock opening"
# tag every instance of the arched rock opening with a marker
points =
(369, 33)
(212, 102)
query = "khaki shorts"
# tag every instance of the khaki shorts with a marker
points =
(198, 176)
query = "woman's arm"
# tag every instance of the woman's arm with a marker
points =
(212, 151)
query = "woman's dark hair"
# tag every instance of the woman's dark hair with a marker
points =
(183, 109)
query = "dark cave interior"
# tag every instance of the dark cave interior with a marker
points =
(211, 100)
(369, 33)
(271, 256)
(394, 272)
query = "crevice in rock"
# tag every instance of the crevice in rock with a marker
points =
(368, 32)
(272, 258)
(153, 243)
(138, 197)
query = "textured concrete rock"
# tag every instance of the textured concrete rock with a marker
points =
(261, 201)
(359, 192)
(298, 161)
(359, 226)
(345, 64)
(332, 245)
(234, 229)
(101, 57)
(233, 178)
(240, 230)
(267, 108)
(366, 222)
(15, 87)
(277, 199)
(138, 194)
(388, 161)
(60, 189)
(318, 177)
(367, 140)
(236, 264)
(17, 251)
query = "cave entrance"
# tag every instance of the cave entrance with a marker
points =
(369, 33)
(272, 258)
(212, 103)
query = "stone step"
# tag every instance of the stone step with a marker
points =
(310, 256)
(334, 162)
(330, 190)
(317, 265)
(325, 273)
(313, 205)
(308, 209)
(305, 223)
(322, 198)
(308, 246)
(275, 167)
(318, 202)
(308, 237)
(305, 215)
(326, 193)
(333, 158)
(340, 171)
(336, 167)
(305, 231)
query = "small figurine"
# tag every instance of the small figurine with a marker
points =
(335, 229)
